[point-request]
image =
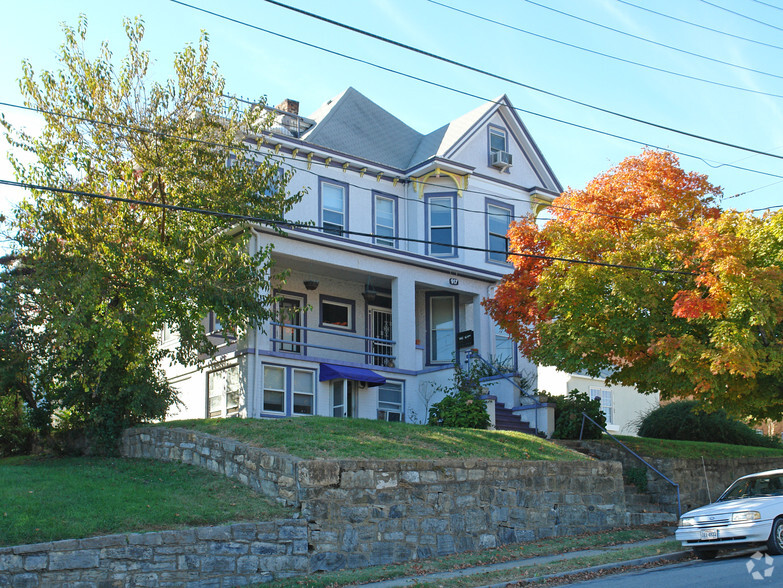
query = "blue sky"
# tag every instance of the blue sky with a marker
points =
(256, 63)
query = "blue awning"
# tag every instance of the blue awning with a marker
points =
(343, 372)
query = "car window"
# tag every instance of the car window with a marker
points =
(756, 486)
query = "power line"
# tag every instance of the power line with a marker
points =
(306, 226)
(697, 25)
(615, 57)
(284, 158)
(767, 4)
(761, 22)
(477, 70)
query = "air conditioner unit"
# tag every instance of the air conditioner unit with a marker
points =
(501, 159)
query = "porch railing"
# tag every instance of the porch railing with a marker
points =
(636, 455)
(378, 351)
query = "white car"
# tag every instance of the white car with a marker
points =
(749, 512)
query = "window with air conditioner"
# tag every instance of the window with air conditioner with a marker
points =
(390, 402)
(499, 155)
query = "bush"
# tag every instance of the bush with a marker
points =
(462, 405)
(686, 420)
(568, 416)
(16, 434)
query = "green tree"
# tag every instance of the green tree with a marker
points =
(709, 326)
(94, 280)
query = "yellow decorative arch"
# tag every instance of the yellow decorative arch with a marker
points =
(460, 180)
(539, 202)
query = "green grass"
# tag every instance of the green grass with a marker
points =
(45, 499)
(518, 551)
(650, 447)
(330, 438)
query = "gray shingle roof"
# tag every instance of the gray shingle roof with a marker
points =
(353, 124)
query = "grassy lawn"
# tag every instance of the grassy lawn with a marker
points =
(649, 447)
(518, 551)
(325, 438)
(45, 499)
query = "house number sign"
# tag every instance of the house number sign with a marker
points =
(454, 281)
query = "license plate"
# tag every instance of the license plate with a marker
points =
(709, 535)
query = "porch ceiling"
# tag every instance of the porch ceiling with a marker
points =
(318, 269)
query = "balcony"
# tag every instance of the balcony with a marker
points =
(327, 344)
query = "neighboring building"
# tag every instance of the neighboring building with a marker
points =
(623, 406)
(409, 236)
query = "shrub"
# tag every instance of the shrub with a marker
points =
(16, 434)
(686, 420)
(462, 405)
(568, 416)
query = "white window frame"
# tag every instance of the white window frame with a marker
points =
(350, 311)
(607, 402)
(433, 205)
(300, 393)
(499, 210)
(388, 410)
(385, 240)
(219, 384)
(267, 388)
(331, 226)
(497, 132)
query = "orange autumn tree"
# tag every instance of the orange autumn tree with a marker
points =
(707, 325)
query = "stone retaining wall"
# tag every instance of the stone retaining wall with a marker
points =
(688, 473)
(351, 513)
(231, 555)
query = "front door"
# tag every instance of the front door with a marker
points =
(343, 398)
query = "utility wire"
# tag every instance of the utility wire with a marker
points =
(761, 22)
(477, 70)
(697, 25)
(615, 57)
(285, 158)
(767, 4)
(307, 226)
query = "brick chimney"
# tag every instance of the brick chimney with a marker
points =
(289, 105)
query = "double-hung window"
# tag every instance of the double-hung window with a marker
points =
(441, 225)
(607, 402)
(498, 222)
(288, 391)
(385, 220)
(390, 402)
(223, 389)
(505, 349)
(334, 207)
(497, 140)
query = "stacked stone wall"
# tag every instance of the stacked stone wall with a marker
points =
(350, 514)
(696, 488)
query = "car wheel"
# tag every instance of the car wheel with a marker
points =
(705, 553)
(775, 541)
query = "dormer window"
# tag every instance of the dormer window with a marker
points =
(498, 148)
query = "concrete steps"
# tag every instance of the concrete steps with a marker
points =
(643, 510)
(506, 420)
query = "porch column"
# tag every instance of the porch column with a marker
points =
(404, 321)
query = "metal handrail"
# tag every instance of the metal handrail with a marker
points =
(510, 379)
(636, 455)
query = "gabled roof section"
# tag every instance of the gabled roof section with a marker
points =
(439, 142)
(352, 123)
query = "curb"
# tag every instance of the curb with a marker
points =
(670, 557)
